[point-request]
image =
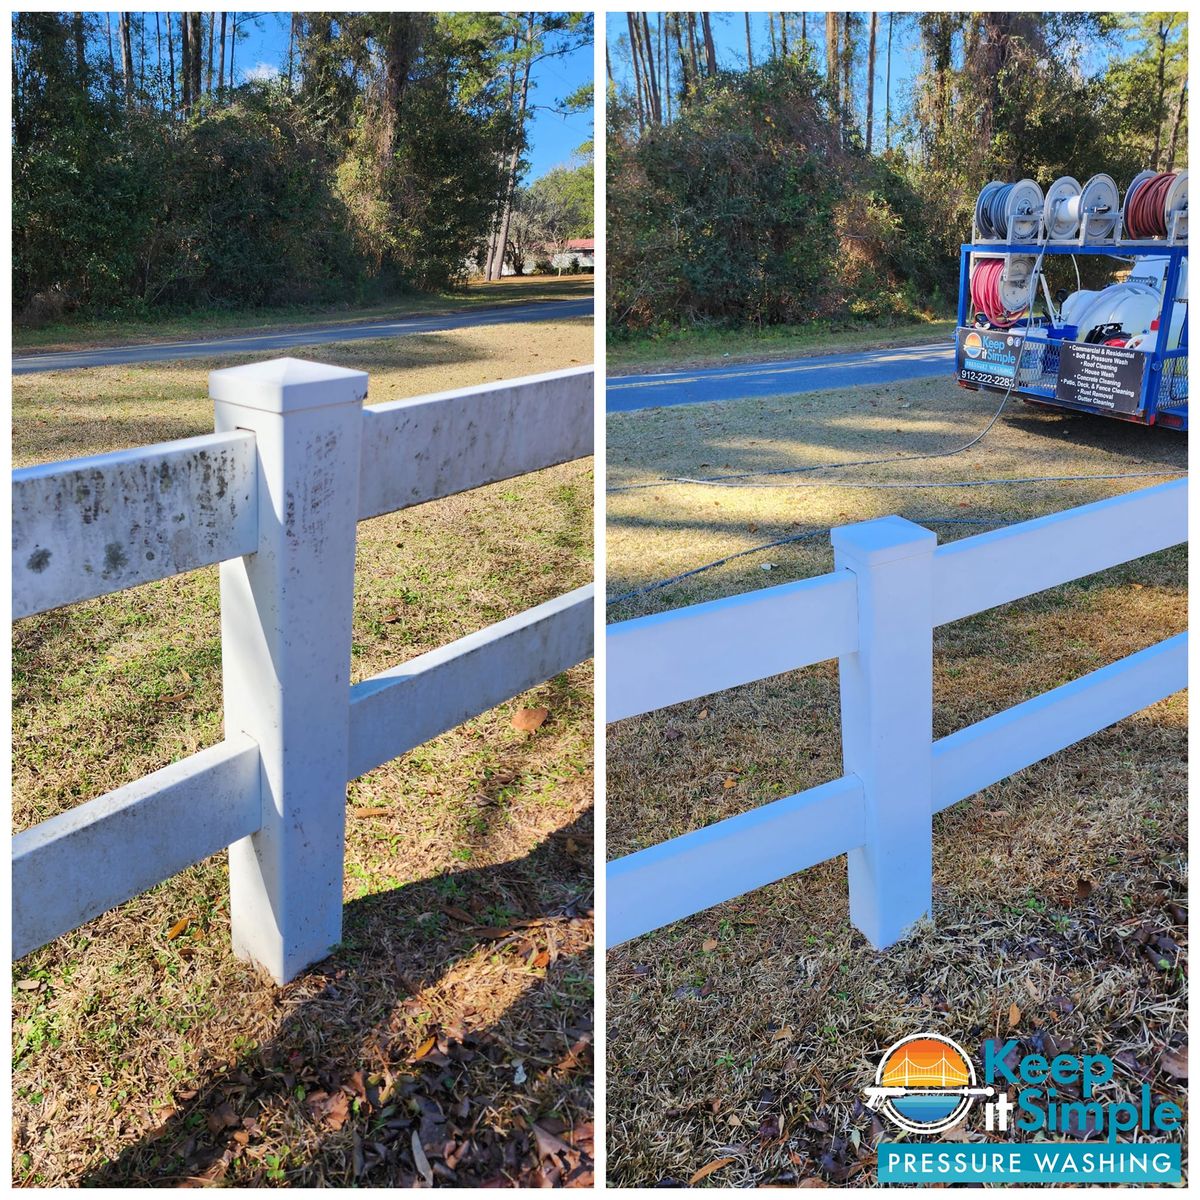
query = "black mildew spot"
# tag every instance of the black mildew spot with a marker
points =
(39, 560)
(114, 557)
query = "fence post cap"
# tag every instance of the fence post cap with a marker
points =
(286, 385)
(881, 540)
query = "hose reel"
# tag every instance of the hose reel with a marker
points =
(1099, 206)
(1062, 215)
(1001, 289)
(1007, 212)
(1156, 206)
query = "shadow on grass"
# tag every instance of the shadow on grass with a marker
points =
(499, 1096)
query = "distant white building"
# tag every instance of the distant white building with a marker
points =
(578, 252)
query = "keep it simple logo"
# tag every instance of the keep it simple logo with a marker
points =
(973, 345)
(925, 1083)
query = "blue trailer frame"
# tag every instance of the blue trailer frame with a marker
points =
(1164, 382)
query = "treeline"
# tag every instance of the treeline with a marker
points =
(768, 187)
(383, 152)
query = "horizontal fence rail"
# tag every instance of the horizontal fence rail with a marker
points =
(83, 862)
(275, 496)
(971, 759)
(670, 657)
(413, 703)
(993, 568)
(876, 613)
(697, 870)
(93, 526)
(455, 441)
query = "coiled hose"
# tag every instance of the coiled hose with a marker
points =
(1146, 209)
(985, 293)
(991, 210)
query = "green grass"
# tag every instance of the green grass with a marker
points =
(84, 332)
(757, 1051)
(700, 347)
(126, 1040)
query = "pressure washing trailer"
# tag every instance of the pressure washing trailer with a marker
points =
(1117, 352)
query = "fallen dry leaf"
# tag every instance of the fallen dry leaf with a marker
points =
(1174, 1062)
(527, 720)
(1014, 1016)
(178, 928)
(548, 1144)
(370, 812)
(421, 1160)
(709, 946)
(706, 1171)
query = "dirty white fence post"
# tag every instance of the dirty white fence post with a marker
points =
(285, 638)
(887, 722)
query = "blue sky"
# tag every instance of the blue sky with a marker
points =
(729, 35)
(553, 138)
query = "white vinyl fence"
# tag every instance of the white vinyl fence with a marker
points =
(876, 612)
(275, 496)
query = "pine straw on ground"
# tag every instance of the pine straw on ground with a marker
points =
(449, 1036)
(748, 1032)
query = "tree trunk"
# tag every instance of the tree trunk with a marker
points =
(1161, 105)
(80, 51)
(831, 52)
(783, 34)
(162, 99)
(637, 70)
(685, 78)
(126, 60)
(651, 71)
(185, 63)
(232, 48)
(514, 160)
(771, 26)
(693, 51)
(710, 49)
(171, 62)
(847, 72)
(804, 35)
(1179, 109)
(212, 29)
(749, 51)
(871, 78)
(112, 70)
(887, 89)
(196, 46)
(664, 52)
(221, 68)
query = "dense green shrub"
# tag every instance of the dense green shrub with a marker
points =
(748, 209)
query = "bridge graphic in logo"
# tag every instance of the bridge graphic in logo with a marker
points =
(925, 1084)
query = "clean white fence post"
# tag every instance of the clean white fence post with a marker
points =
(887, 722)
(285, 639)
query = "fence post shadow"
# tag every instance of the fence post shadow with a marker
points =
(364, 1122)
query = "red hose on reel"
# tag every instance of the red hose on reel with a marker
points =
(1145, 210)
(985, 293)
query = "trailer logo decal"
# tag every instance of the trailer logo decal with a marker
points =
(925, 1083)
(972, 345)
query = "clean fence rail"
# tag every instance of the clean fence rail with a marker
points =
(876, 613)
(275, 496)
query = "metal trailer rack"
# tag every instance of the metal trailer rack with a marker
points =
(1160, 384)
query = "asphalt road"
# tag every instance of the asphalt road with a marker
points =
(542, 310)
(626, 393)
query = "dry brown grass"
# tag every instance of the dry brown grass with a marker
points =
(142, 1059)
(758, 1050)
